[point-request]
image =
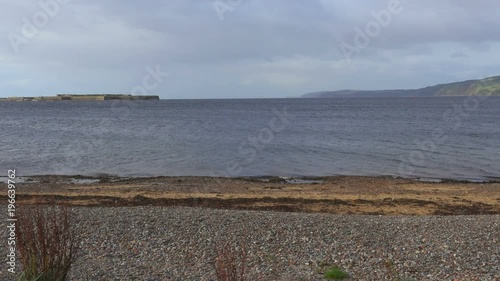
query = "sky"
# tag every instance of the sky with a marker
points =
(187, 49)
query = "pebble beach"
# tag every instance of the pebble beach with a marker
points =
(179, 243)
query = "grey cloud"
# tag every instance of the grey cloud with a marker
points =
(276, 48)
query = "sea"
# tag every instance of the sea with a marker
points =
(455, 138)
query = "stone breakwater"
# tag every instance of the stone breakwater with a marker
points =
(178, 243)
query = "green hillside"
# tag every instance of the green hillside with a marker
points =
(484, 87)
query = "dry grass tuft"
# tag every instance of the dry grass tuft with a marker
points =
(46, 242)
(230, 263)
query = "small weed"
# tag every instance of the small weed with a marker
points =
(335, 273)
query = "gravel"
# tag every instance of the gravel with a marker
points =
(178, 243)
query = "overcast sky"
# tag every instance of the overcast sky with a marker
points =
(243, 48)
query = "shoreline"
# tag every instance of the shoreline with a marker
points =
(169, 228)
(105, 176)
(335, 195)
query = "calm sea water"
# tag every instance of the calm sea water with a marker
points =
(454, 138)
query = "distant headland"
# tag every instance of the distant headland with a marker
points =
(483, 87)
(82, 97)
